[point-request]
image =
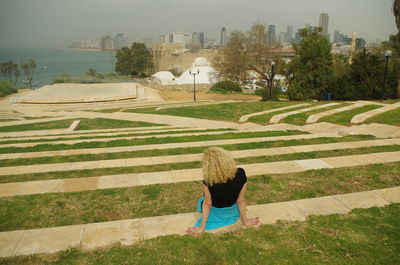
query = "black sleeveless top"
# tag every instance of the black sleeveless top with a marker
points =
(226, 194)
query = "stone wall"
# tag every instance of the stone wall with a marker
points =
(189, 88)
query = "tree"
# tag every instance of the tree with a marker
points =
(92, 72)
(396, 12)
(28, 67)
(136, 61)
(10, 69)
(247, 52)
(310, 72)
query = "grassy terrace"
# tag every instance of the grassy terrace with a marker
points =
(179, 151)
(117, 134)
(190, 165)
(265, 118)
(345, 117)
(225, 111)
(85, 124)
(300, 119)
(56, 209)
(390, 117)
(146, 141)
(362, 237)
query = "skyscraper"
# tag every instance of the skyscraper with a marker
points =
(271, 35)
(198, 38)
(289, 34)
(223, 37)
(120, 41)
(323, 23)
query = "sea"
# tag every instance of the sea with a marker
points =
(52, 62)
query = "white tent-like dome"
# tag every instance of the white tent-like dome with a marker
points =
(163, 78)
(200, 62)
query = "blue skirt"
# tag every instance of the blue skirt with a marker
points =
(218, 217)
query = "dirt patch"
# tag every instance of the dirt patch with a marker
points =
(187, 96)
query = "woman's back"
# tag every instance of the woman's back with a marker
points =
(226, 194)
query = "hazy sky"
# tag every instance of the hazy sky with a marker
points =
(58, 22)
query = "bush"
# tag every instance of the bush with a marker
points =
(226, 86)
(7, 88)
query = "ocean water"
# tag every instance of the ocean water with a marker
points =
(51, 63)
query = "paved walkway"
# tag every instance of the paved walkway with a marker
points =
(277, 118)
(369, 114)
(156, 160)
(163, 146)
(246, 117)
(315, 117)
(195, 174)
(127, 232)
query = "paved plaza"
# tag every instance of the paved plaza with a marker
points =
(90, 236)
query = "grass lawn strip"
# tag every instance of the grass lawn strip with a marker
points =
(112, 135)
(267, 152)
(19, 159)
(148, 141)
(188, 165)
(224, 112)
(58, 209)
(345, 117)
(85, 124)
(300, 119)
(265, 118)
(391, 117)
(361, 237)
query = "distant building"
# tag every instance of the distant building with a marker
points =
(224, 39)
(323, 23)
(360, 43)
(106, 43)
(120, 41)
(176, 37)
(289, 34)
(271, 34)
(198, 38)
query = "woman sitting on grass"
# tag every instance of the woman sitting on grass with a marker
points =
(224, 187)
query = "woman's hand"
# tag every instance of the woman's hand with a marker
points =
(194, 230)
(251, 221)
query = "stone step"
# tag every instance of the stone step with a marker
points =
(195, 174)
(315, 117)
(163, 146)
(246, 117)
(127, 232)
(156, 160)
(369, 114)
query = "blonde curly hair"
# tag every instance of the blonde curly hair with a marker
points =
(218, 166)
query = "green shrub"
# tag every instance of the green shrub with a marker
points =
(226, 86)
(7, 88)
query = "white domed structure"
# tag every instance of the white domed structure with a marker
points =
(163, 78)
(200, 62)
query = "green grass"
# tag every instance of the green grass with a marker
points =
(146, 141)
(115, 135)
(391, 117)
(175, 151)
(345, 117)
(265, 118)
(57, 209)
(300, 119)
(225, 111)
(85, 124)
(361, 237)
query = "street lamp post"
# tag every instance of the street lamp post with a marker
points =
(271, 84)
(194, 73)
(388, 53)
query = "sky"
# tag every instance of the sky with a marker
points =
(43, 23)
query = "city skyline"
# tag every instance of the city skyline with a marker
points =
(41, 23)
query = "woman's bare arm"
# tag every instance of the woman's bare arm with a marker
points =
(241, 201)
(207, 203)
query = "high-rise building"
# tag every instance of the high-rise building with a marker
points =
(323, 23)
(271, 35)
(120, 41)
(224, 40)
(289, 34)
(198, 38)
(106, 43)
